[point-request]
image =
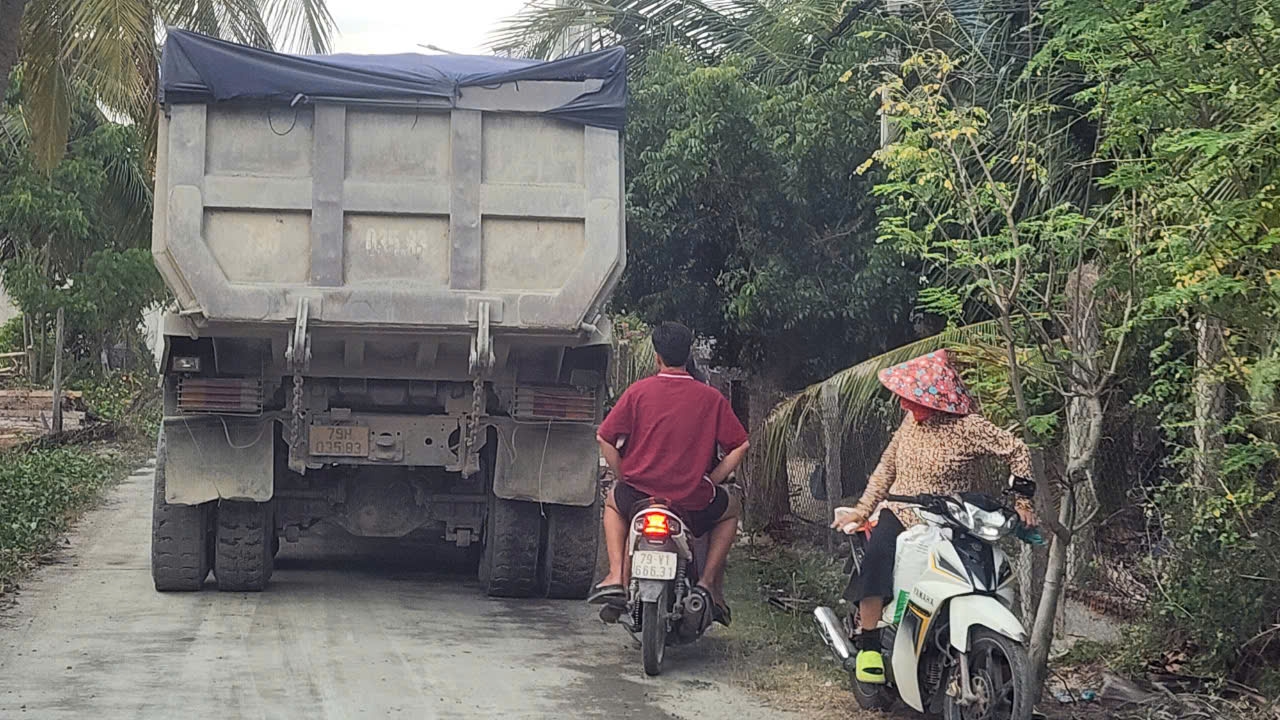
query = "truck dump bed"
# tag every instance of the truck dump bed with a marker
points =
(389, 191)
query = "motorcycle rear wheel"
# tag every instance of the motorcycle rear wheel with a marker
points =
(653, 636)
(1001, 676)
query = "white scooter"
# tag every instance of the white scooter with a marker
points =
(951, 641)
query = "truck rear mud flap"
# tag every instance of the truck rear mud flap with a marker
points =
(218, 458)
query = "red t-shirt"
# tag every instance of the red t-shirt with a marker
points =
(673, 424)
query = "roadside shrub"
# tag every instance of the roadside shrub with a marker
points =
(40, 491)
(111, 397)
(11, 336)
(1219, 586)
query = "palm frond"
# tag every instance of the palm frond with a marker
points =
(198, 15)
(778, 38)
(635, 363)
(850, 395)
(300, 25)
(113, 39)
(14, 132)
(129, 193)
(242, 21)
(46, 86)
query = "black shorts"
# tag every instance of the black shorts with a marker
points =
(876, 576)
(699, 521)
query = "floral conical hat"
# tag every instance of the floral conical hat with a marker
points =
(931, 381)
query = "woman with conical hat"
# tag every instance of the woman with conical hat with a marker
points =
(937, 449)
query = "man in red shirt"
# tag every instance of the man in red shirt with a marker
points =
(672, 425)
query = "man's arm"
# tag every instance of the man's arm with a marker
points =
(730, 435)
(729, 463)
(616, 425)
(611, 456)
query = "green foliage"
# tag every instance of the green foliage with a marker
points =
(745, 222)
(40, 491)
(108, 53)
(1187, 96)
(11, 336)
(78, 238)
(112, 397)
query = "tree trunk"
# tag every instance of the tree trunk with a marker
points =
(1083, 409)
(768, 501)
(44, 334)
(28, 347)
(10, 31)
(832, 435)
(1054, 582)
(57, 374)
(1084, 430)
(1031, 560)
(1210, 399)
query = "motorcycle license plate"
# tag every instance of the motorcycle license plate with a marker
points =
(652, 565)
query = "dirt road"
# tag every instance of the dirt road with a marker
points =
(346, 631)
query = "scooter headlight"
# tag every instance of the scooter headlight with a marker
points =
(989, 525)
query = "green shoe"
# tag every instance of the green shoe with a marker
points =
(870, 669)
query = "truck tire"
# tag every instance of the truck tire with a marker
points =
(511, 540)
(243, 560)
(569, 559)
(179, 537)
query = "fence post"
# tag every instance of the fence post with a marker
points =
(832, 435)
(57, 375)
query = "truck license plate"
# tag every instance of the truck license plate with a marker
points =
(652, 565)
(340, 440)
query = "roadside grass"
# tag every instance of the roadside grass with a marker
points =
(44, 490)
(773, 648)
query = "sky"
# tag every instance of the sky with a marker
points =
(393, 26)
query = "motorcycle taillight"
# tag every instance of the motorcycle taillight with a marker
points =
(658, 525)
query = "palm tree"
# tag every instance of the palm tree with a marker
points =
(784, 36)
(850, 399)
(110, 49)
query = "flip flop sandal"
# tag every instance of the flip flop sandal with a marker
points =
(721, 614)
(708, 608)
(610, 614)
(608, 595)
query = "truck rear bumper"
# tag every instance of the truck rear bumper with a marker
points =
(213, 457)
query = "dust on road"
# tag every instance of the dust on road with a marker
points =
(346, 630)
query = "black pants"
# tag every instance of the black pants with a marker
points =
(876, 577)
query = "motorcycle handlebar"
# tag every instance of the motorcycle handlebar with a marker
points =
(924, 500)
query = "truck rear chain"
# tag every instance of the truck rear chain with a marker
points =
(295, 424)
(473, 425)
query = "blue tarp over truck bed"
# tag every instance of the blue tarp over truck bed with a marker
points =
(199, 69)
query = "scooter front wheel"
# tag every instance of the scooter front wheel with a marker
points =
(653, 637)
(1000, 676)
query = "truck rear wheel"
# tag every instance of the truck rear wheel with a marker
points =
(569, 560)
(179, 537)
(243, 559)
(512, 536)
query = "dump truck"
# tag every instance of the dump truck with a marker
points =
(389, 276)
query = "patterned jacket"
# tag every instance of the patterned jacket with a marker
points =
(941, 455)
